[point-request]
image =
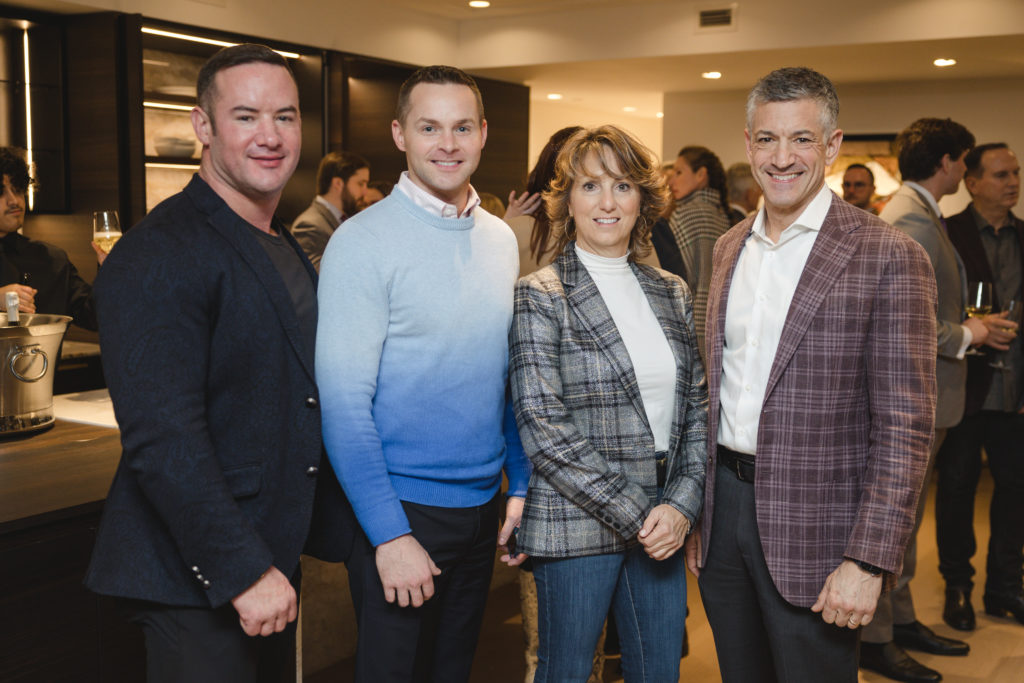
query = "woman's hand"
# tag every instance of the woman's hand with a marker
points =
(524, 204)
(513, 516)
(663, 532)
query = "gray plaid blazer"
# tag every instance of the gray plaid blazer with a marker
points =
(581, 417)
(846, 423)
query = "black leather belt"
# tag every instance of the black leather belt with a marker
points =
(661, 461)
(740, 464)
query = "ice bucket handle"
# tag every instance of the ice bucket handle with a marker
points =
(30, 350)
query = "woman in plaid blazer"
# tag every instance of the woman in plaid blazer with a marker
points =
(611, 402)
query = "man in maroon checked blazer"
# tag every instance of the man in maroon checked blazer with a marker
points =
(821, 372)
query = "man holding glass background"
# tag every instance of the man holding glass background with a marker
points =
(39, 273)
(931, 155)
(990, 241)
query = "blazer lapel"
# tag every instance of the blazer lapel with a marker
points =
(586, 302)
(829, 257)
(235, 232)
(944, 239)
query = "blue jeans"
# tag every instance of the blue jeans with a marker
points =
(649, 602)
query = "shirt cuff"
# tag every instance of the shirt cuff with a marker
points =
(965, 342)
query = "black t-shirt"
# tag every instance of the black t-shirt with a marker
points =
(296, 279)
(46, 268)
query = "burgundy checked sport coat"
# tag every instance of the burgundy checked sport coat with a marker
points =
(847, 419)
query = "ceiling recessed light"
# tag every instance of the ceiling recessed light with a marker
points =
(629, 109)
(554, 95)
(479, 4)
(942, 61)
(711, 74)
(660, 114)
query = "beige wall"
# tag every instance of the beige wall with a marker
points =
(547, 117)
(992, 109)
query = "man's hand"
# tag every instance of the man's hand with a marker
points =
(1000, 331)
(406, 571)
(692, 549)
(524, 204)
(849, 596)
(267, 606)
(513, 516)
(663, 532)
(26, 297)
(979, 330)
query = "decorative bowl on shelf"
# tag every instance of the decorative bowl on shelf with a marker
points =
(175, 147)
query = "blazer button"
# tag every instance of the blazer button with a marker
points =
(199, 577)
(312, 471)
(311, 402)
(195, 570)
(206, 585)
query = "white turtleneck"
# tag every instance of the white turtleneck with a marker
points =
(648, 349)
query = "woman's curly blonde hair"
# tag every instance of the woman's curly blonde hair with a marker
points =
(638, 165)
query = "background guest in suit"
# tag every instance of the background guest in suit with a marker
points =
(931, 159)
(859, 186)
(207, 314)
(744, 192)
(821, 375)
(990, 241)
(341, 181)
(701, 216)
(41, 274)
(611, 401)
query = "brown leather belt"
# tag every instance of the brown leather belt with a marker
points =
(740, 464)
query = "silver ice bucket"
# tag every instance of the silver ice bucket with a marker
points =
(28, 352)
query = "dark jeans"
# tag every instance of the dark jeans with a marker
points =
(959, 467)
(195, 645)
(759, 636)
(434, 642)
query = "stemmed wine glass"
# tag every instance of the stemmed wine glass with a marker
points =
(106, 230)
(979, 304)
(1012, 311)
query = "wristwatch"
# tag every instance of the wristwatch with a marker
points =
(869, 568)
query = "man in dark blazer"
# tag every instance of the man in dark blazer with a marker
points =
(821, 374)
(931, 154)
(207, 313)
(341, 182)
(990, 241)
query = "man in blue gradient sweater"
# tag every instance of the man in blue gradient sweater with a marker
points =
(412, 353)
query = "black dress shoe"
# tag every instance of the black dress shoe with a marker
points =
(890, 660)
(958, 612)
(1002, 606)
(917, 636)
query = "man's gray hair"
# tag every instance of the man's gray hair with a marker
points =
(796, 83)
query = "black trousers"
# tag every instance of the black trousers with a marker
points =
(959, 468)
(434, 642)
(195, 645)
(759, 636)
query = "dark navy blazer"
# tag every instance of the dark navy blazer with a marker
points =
(214, 392)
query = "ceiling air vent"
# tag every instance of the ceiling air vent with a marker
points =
(716, 18)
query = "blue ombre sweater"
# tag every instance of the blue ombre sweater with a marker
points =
(412, 361)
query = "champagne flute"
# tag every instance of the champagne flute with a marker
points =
(106, 230)
(979, 304)
(1012, 311)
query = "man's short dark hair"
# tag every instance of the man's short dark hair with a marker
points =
(921, 146)
(864, 168)
(796, 83)
(739, 178)
(439, 75)
(14, 166)
(338, 165)
(973, 158)
(225, 58)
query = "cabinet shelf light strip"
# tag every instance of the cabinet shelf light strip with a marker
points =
(206, 41)
(28, 118)
(177, 167)
(165, 105)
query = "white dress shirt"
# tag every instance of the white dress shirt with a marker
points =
(641, 333)
(762, 289)
(433, 205)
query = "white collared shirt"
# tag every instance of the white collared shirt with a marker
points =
(433, 205)
(762, 290)
(335, 211)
